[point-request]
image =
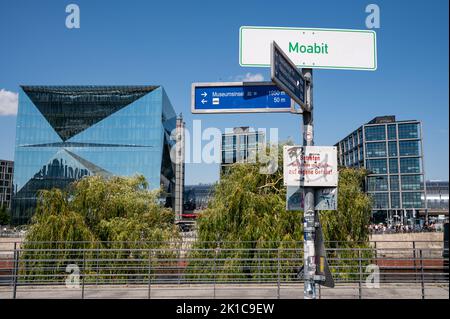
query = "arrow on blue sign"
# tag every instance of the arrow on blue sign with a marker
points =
(239, 97)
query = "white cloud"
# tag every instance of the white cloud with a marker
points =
(249, 77)
(8, 102)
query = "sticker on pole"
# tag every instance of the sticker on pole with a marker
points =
(324, 198)
(310, 166)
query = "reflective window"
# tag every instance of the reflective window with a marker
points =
(394, 183)
(410, 165)
(412, 200)
(392, 132)
(376, 149)
(392, 149)
(377, 183)
(395, 200)
(380, 200)
(375, 133)
(409, 148)
(377, 166)
(412, 182)
(360, 137)
(393, 165)
(408, 131)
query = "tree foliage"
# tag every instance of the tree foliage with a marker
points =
(5, 217)
(349, 225)
(248, 210)
(118, 213)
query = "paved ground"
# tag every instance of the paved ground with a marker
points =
(386, 291)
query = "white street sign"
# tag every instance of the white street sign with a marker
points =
(310, 48)
(310, 166)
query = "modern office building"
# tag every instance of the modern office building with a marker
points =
(6, 183)
(437, 198)
(392, 152)
(197, 197)
(241, 146)
(67, 132)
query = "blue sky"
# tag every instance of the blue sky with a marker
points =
(175, 43)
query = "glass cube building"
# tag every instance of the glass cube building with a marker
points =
(66, 132)
(392, 152)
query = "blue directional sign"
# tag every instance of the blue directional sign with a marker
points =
(286, 75)
(239, 97)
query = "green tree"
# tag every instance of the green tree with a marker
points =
(248, 211)
(5, 217)
(118, 213)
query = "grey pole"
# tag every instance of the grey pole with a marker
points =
(309, 219)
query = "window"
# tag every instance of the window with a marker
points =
(395, 200)
(392, 132)
(394, 183)
(228, 157)
(376, 149)
(380, 200)
(409, 148)
(392, 149)
(377, 183)
(408, 131)
(412, 200)
(412, 182)
(393, 165)
(410, 165)
(375, 133)
(377, 166)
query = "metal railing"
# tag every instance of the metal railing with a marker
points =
(217, 270)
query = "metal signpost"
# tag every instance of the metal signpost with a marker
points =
(239, 97)
(297, 48)
(311, 167)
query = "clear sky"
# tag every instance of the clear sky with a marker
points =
(175, 43)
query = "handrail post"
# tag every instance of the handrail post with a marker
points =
(97, 254)
(415, 260)
(214, 274)
(278, 273)
(422, 275)
(83, 273)
(15, 270)
(149, 274)
(360, 274)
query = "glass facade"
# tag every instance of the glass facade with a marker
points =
(6, 183)
(241, 146)
(197, 197)
(437, 196)
(392, 153)
(67, 132)
(375, 133)
(377, 149)
(377, 166)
